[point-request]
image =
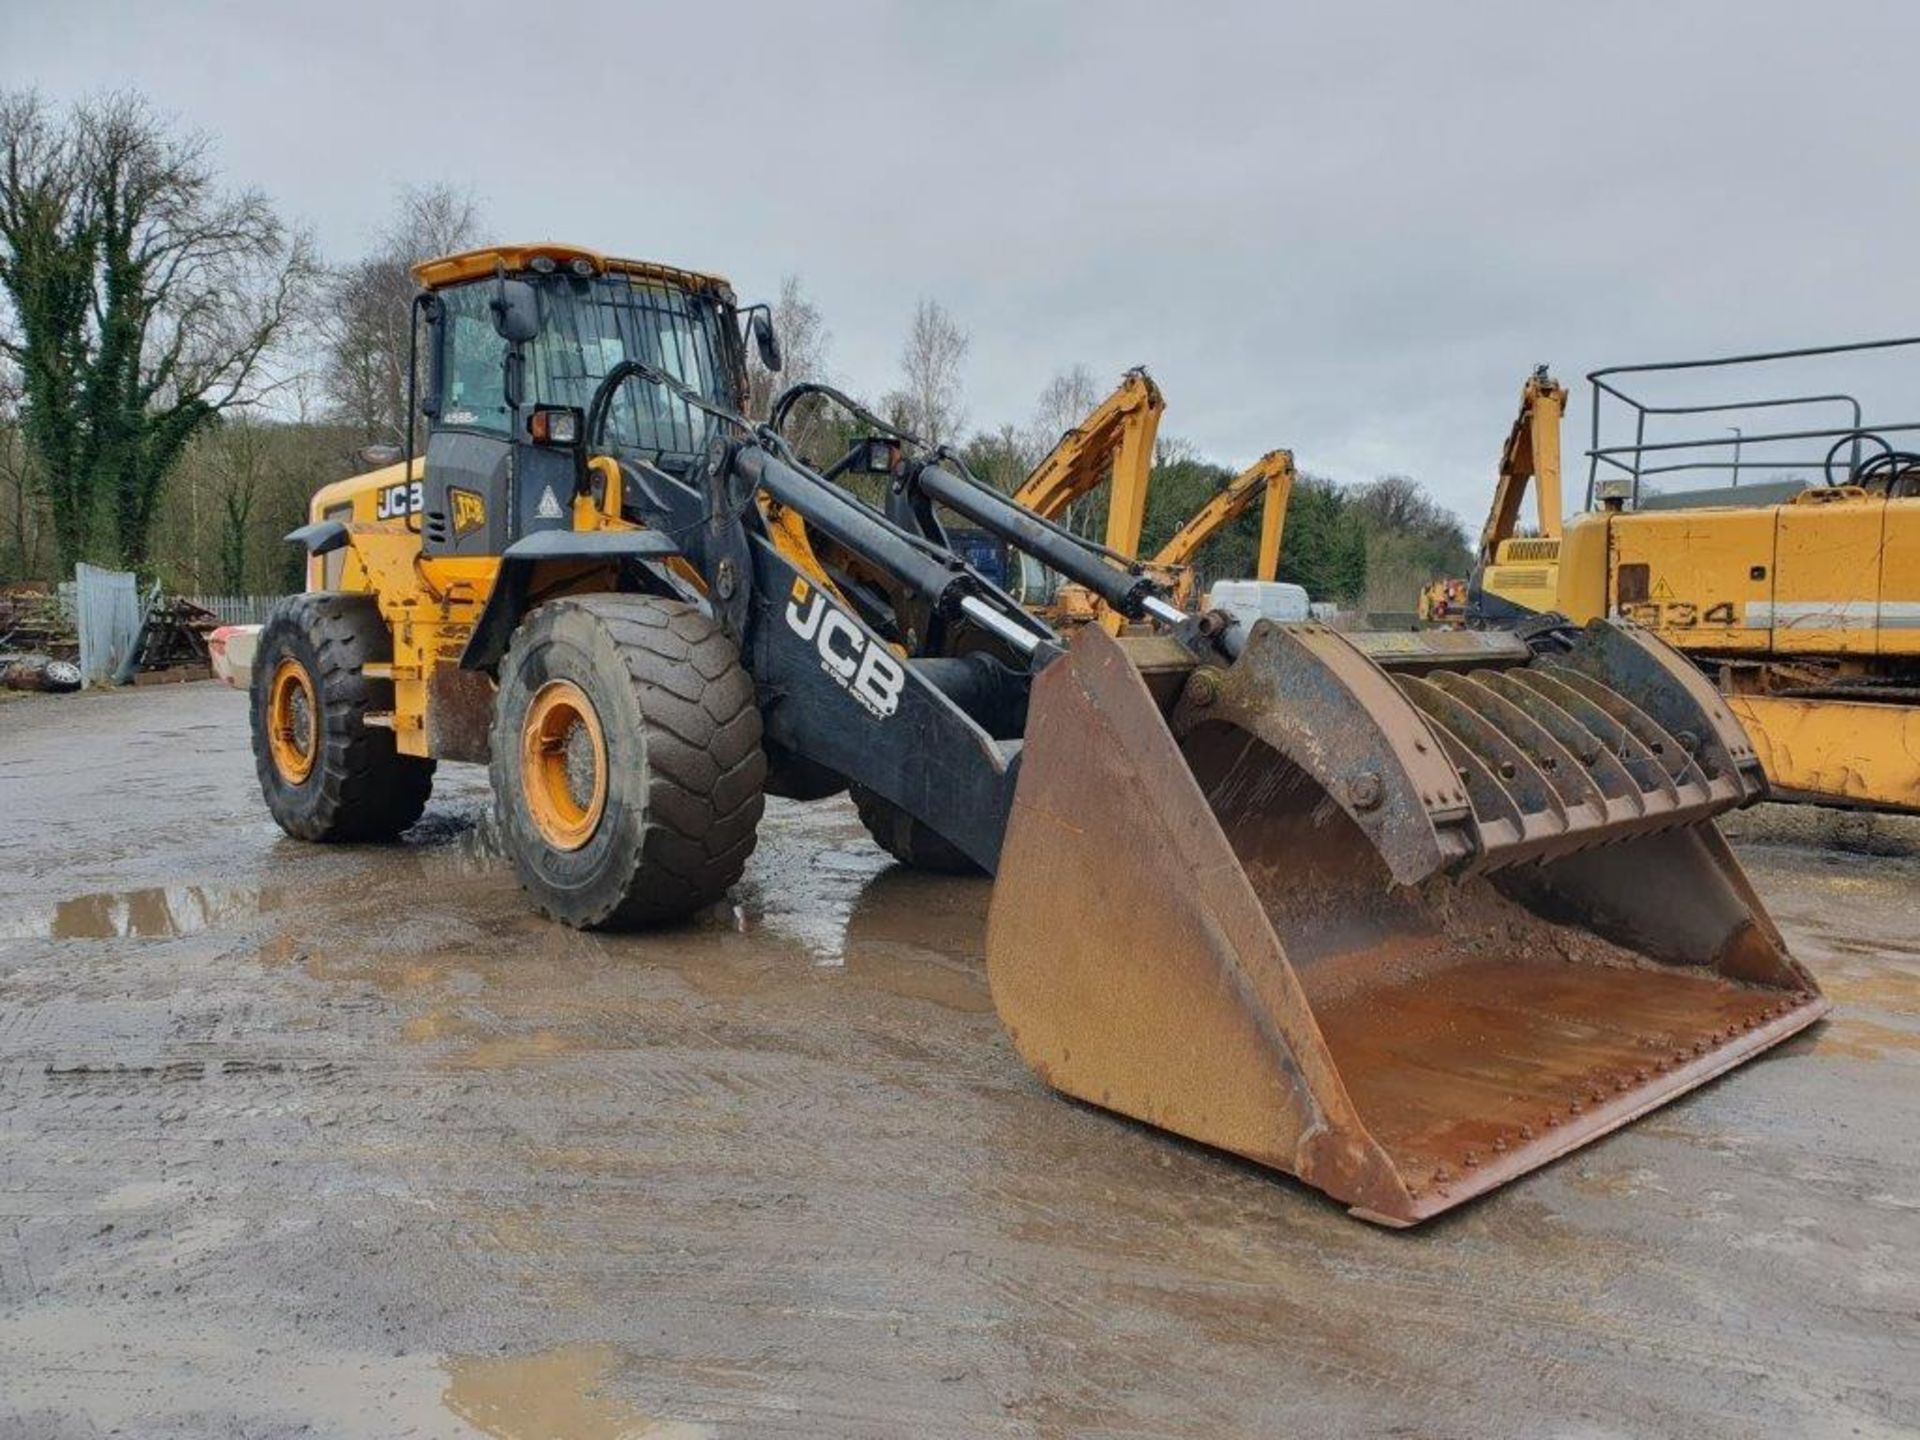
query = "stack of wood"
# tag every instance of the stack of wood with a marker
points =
(32, 623)
(174, 642)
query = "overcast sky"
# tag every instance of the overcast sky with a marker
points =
(1350, 229)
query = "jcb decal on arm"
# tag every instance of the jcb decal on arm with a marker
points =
(863, 669)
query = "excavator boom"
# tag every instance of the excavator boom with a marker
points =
(1113, 445)
(1270, 478)
(1532, 453)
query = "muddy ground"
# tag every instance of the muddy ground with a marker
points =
(322, 1142)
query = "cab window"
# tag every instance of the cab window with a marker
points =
(475, 378)
(590, 327)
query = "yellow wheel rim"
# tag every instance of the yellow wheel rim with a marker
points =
(293, 721)
(563, 765)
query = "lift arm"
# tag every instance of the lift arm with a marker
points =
(1532, 452)
(1272, 476)
(1115, 440)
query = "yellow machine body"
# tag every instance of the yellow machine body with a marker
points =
(432, 603)
(1805, 613)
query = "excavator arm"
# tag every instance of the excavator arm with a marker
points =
(1114, 442)
(1532, 453)
(1271, 476)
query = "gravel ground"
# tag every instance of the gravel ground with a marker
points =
(299, 1141)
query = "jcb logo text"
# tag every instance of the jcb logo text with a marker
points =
(861, 666)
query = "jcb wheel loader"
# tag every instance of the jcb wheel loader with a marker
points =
(1404, 916)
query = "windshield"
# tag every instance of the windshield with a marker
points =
(592, 325)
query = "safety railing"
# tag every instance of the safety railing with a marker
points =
(1728, 453)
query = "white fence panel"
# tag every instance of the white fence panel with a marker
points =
(237, 609)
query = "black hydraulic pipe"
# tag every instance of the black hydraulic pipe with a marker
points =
(944, 582)
(1022, 529)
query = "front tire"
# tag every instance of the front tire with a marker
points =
(327, 774)
(627, 769)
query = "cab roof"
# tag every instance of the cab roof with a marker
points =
(473, 264)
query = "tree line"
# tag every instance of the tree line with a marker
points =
(180, 370)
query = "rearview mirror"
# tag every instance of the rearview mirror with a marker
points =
(516, 311)
(766, 340)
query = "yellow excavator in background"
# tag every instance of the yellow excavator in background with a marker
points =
(1406, 919)
(1268, 480)
(1800, 600)
(1113, 447)
(1515, 575)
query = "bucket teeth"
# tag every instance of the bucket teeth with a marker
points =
(1513, 758)
(1554, 760)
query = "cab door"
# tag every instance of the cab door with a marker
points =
(469, 458)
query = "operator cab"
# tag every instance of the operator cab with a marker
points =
(518, 340)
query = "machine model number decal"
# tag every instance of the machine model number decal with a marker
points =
(397, 500)
(1679, 614)
(864, 669)
(469, 511)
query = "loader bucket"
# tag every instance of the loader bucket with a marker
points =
(1405, 925)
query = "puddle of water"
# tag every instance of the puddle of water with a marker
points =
(559, 1394)
(808, 904)
(916, 973)
(155, 913)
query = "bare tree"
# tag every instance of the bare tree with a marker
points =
(930, 402)
(1064, 403)
(145, 302)
(1003, 458)
(1400, 504)
(1173, 450)
(804, 344)
(369, 307)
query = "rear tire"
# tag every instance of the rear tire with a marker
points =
(627, 769)
(326, 774)
(908, 840)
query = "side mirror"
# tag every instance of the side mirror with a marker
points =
(427, 310)
(378, 457)
(766, 341)
(516, 311)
